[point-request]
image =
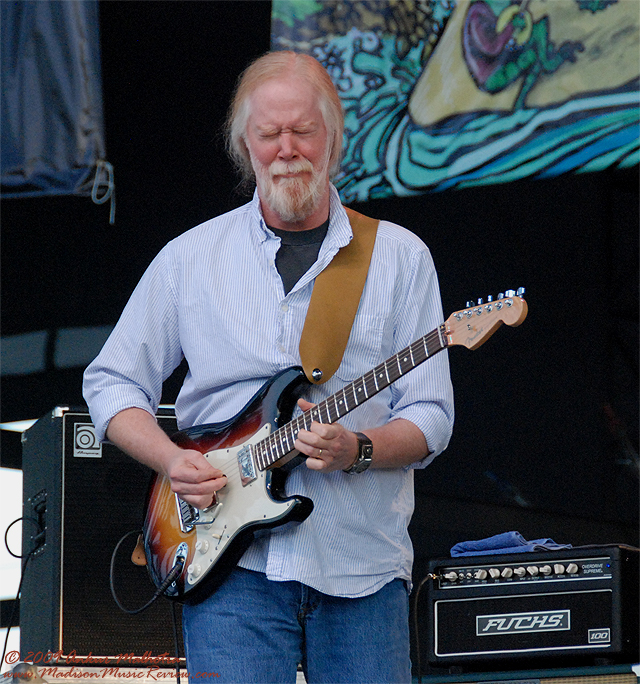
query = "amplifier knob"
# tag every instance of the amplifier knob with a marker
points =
(572, 568)
(507, 572)
(520, 571)
(494, 573)
(451, 576)
(546, 570)
(558, 568)
(481, 574)
(533, 570)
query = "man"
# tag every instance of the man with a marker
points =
(231, 297)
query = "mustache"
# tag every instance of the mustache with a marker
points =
(279, 168)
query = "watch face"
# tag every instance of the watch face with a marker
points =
(362, 466)
(365, 453)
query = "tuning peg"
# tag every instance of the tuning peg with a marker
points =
(510, 293)
(520, 291)
(469, 305)
(500, 295)
(490, 298)
(480, 302)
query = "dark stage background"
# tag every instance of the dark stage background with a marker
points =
(535, 447)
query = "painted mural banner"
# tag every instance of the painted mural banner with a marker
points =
(441, 94)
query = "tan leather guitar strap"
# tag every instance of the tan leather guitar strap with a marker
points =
(334, 301)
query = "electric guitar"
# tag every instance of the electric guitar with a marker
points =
(189, 552)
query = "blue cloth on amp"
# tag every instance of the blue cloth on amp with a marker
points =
(506, 542)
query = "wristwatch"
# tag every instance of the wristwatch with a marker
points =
(365, 454)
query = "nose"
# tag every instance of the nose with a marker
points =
(287, 149)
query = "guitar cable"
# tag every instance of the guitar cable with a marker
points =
(25, 561)
(169, 580)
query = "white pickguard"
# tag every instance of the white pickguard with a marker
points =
(238, 507)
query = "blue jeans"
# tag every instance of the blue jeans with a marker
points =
(255, 630)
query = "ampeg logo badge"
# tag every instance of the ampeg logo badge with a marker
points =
(85, 441)
(600, 636)
(517, 623)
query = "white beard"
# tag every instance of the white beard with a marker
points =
(292, 199)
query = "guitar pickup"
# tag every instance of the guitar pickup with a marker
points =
(187, 515)
(246, 466)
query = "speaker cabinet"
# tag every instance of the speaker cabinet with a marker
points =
(80, 499)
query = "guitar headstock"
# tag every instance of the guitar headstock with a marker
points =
(474, 325)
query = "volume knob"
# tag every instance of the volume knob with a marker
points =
(202, 546)
(194, 570)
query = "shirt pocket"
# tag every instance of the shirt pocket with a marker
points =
(365, 349)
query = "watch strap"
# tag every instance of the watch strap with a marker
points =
(364, 457)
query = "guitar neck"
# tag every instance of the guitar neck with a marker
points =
(281, 442)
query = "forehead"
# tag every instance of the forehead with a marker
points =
(283, 102)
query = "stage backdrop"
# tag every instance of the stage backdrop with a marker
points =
(442, 94)
(51, 101)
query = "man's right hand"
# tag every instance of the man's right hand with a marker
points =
(193, 478)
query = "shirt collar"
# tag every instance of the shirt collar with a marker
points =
(339, 233)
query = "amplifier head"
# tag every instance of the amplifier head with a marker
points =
(577, 605)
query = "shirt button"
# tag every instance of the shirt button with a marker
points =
(284, 307)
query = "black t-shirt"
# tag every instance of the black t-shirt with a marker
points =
(298, 251)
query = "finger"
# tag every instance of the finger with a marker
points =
(316, 464)
(192, 467)
(202, 467)
(310, 444)
(304, 404)
(202, 495)
(200, 502)
(207, 487)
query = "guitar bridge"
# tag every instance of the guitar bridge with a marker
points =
(189, 516)
(246, 466)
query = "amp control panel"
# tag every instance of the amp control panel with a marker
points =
(569, 568)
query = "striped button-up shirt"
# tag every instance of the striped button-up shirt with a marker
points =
(214, 296)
